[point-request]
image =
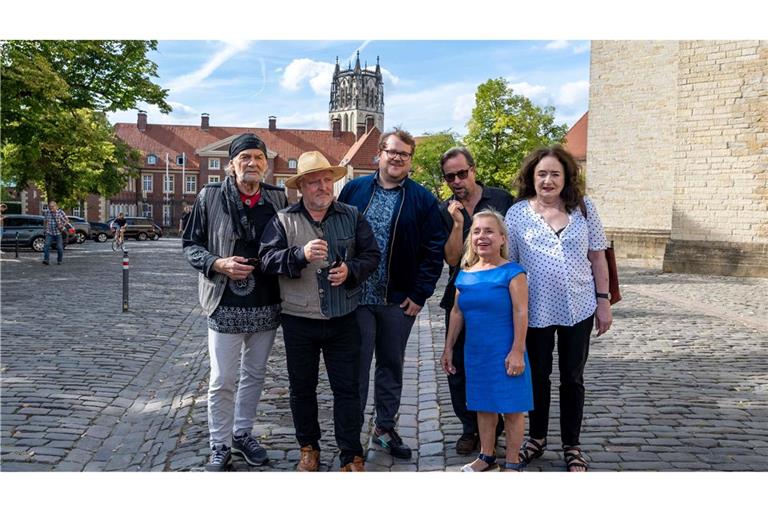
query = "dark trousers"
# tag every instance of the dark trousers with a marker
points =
(384, 329)
(572, 349)
(457, 385)
(339, 341)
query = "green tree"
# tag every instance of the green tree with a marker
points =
(504, 128)
(426, 161)
(53, 104)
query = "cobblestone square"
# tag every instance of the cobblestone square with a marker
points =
(679, 384)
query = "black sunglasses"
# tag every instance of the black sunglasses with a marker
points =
(450, 176)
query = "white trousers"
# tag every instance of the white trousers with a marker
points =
(227, 414)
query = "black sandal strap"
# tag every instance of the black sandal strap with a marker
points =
(532, 449)
(574, 457)
(488, 459)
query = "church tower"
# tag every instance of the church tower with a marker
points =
(357, 98)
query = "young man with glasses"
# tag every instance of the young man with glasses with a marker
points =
(469, 197)
(406, 222)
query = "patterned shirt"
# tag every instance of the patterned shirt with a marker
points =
(54, 222)
(379, 215)
(561, 287)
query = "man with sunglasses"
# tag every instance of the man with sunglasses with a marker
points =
(406, 222)
(469, 197)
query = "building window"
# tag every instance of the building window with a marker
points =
(43, 207)
(166, 215)
(146, 182)
(214, 163)
(168, 184)
(76, 211)
(280, 182)
(128, 209)
(180, 160)
(214, 179)
(292, 163)
(130, 185)
(146, 210)
(151, 159)
(190, 185)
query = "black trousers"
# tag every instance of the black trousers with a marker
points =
(339, 341)
(572, 349)
(457, 385)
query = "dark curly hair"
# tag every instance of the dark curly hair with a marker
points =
(572, 192)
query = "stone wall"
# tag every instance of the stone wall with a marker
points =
(678, 149)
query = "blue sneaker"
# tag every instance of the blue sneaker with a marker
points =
(249, 448)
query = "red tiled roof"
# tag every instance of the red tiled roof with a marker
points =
(362, 153)
(576, 138)
(159, 139)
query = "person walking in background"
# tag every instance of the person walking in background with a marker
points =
(492, 305)
(323, 250)
(184, 217)
(405, 219)
(54, 223)
(469, 196)
(556, 234)
(221, 241)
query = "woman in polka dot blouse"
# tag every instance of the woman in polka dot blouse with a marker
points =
(555, 233)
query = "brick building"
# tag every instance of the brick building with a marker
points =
(178, 160)
(677, 158)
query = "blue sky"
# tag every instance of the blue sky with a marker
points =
(429, 85)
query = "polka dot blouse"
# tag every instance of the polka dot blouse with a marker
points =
(561, 288)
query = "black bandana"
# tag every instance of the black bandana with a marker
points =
(246, 141)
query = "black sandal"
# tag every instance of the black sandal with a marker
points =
(513, 466)
(531, 449)
(574, 458)
(488, 459)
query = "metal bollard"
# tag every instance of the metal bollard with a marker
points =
(125, 281)
(17, 246)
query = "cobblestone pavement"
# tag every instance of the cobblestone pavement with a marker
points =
(679, 383)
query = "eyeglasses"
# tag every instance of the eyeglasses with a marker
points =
(450, 176)
(391, 153)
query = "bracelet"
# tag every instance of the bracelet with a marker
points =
(602, 296)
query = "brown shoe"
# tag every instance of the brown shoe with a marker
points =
(358, 464)
(467, 444)
(310, 459)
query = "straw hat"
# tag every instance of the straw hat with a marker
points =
(314, 161)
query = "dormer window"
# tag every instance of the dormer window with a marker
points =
(180, 160)
(151, 159)
(292, 163)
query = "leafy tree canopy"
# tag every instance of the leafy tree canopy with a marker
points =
(426, 160)
(504, 128)
(53, 104)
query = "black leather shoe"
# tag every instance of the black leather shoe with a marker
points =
(467, 443)
(390, 441)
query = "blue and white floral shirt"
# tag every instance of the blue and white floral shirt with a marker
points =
(561, 287)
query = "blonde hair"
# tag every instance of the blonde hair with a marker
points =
(470, 256)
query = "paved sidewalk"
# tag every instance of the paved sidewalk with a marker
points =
(679, 383)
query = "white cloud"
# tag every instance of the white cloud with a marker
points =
(195, 78)
(573, 93)
(535, 93)
(462, 107)
(581, 48)
(557, 45)
(318, 74)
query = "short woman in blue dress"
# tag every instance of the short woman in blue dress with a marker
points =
(492, 298)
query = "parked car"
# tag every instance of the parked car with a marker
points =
(101, 232)
(82, 228)
(140, 228)
(30, 231)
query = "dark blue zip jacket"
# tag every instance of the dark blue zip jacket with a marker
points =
(417, 235)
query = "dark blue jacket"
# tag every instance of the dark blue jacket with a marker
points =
(416, 238)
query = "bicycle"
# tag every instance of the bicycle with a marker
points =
(118, 242)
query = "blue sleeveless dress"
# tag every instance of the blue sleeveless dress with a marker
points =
(487, 307)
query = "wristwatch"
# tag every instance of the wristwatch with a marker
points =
(602, 296)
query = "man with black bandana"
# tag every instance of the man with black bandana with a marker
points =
(221, 240)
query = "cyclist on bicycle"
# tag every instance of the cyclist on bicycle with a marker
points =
(118, 225)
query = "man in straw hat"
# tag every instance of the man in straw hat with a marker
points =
(322, 250)
(221, 240)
